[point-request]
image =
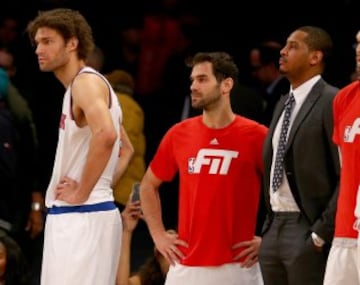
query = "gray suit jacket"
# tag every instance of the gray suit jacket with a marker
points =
(311, 160)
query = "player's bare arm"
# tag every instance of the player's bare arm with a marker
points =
(126, 153)
(165, 243)
(90, 96)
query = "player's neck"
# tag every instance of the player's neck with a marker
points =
(218, 119)
(68, 72)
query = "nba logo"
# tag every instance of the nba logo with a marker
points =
(191, 162)
(347, 133)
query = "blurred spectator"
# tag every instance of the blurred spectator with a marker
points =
(17, 102)
(9, 31)
(124, 52)
(264, 62)
(96, 59)
(21, 201)
(172, 103)
(247, 101)
(133, 122)
(154, 269)
(11, 40)
(14, 268)
(161, 36)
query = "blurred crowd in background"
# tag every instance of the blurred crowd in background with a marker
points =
(147, 43)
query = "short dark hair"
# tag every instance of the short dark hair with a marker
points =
(69, 23)
(318, 39)
(222, 63)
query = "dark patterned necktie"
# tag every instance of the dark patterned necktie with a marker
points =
(279, 160)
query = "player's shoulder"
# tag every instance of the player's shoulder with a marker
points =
(188, 123)
(348, 89)
(89, 78)
(249, 124)
(347, 93)
(87, 73)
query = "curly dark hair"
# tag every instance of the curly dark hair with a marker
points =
(68, 23)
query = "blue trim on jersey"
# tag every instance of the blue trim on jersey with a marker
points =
(104, 206)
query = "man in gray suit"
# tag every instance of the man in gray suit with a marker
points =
(301, 167)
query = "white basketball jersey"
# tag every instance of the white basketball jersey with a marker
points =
(73, 146)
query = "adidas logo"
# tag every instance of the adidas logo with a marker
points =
(214, 141)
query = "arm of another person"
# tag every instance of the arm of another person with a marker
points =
(130, 217)
(151, 206)
(35, 223)
(90, 107)
(126, 154)
(28, 159)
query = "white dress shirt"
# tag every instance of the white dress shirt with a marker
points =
(282, 200)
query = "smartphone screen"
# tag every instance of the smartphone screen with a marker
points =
(135, 196)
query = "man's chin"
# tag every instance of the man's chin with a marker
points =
(196, 106)
(45, 69)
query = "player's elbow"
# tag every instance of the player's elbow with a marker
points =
(108, 136)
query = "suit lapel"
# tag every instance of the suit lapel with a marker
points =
(305, 109)
(277, 113)
(268, 141)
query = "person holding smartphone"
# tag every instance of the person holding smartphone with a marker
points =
(154, 269)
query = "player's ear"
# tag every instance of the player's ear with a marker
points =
(73, 43)
(227, 84)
